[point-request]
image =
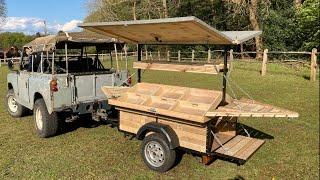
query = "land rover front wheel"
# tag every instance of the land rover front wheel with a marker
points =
(14, 108)
(156, 153)
(46, 124)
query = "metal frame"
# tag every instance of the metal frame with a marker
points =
(225, 71)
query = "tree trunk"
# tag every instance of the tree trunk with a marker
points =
(253, 17)
(297, 3)
(134, 7)
(165, 8)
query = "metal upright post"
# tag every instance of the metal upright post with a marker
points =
(66, 54)
(139, 59)
(225, 72)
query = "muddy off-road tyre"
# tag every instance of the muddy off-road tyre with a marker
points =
(47, 125)
(156, 153)
(13, 107)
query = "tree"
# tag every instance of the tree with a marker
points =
(309, 24)
(9, 39)
(253, 17)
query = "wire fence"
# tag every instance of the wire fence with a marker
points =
(303, 58)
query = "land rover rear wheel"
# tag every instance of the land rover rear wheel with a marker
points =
(46, 124)
(14, 108)
(156, 153)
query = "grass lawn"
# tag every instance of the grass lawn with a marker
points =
(290, 152)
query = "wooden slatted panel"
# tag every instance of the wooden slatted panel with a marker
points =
(190, 136)
(185, 30)
(240, 147)
(203, 69)
(249, 108)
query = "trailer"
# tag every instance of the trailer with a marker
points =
(168, 117)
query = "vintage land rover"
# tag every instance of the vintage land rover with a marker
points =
(58, 78)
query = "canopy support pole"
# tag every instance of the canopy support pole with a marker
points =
(139, 59)
(225, 72)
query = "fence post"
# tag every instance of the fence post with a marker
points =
(159, 56)
(313, 72)
(209, 55)
(179, 55)
(168, 55)
(264, 62)
(146, 52)
(231, 59)
(192, 56)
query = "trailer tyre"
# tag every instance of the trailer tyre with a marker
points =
(156, 153)
(46, 124)
(14, 108)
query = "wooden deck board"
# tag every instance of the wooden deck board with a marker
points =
(240, 147)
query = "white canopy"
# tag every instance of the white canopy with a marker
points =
(181, 30)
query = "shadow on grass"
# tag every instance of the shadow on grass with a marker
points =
(238, 177)
(84, 121)
(254, 133)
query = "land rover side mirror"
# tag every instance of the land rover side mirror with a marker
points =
(10, 65)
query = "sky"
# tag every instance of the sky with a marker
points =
(28, 16)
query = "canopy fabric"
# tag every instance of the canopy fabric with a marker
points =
(50, 42)
(181, 30)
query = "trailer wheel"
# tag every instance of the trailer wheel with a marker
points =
(14, 108)
(46, 124)
(156, 153)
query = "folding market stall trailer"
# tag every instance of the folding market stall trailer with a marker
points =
(170, 117)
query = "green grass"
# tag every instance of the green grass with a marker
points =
(103, 152)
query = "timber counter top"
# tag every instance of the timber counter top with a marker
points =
(192, 104)
(179, 102)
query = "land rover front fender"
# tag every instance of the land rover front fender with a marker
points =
(12, 82)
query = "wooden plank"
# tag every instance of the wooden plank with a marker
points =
(236, 147)
(240, 147)
(250, 150)
(229, 145)
(202, 69)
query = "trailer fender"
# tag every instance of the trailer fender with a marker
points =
(166, 130)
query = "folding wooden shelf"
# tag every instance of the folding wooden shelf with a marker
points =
(250, 108)
(239, 148)
(202, 69)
